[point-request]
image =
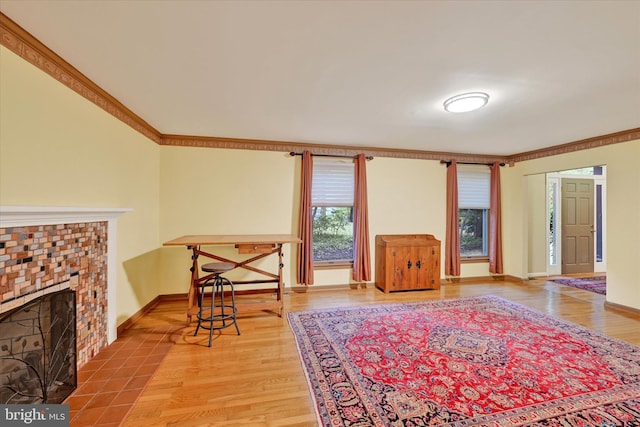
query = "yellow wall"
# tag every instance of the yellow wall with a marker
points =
(405, 197)
(218, 191)
(58, 149)
(623, 205)
(536, 224)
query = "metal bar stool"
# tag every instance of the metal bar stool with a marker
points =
(218, 311)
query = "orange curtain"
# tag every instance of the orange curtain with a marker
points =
(305, 229)
(361, 250)
(452, 242)
(495, 222)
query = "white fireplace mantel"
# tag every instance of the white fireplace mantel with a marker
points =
(21, 216)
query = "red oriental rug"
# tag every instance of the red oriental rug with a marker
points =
(597, 284)
(481, 361)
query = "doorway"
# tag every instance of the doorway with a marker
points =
(575, 221)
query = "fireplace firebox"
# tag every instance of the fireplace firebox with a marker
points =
(38, 350)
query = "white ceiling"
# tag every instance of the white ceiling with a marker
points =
(360, 73)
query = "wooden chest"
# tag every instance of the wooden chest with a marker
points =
(407, 262)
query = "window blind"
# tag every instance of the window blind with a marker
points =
(474, 183)
(333, 182)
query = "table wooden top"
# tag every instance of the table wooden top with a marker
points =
(232, 239)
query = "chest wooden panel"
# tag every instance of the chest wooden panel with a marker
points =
(407, 262)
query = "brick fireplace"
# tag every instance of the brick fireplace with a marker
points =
(47, 249)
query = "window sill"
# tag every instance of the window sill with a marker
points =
(332, 265)
(472, 260)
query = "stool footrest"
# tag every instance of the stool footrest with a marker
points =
(216, 313)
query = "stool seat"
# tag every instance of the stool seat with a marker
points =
(218, 267)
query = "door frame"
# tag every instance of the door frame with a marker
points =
(555, 178)
(601, 266)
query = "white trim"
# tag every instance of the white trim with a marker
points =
(600, 267)
(541, 274)
(18, 216)
(554, 269)
(21, 216)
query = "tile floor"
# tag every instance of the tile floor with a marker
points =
(110, 383)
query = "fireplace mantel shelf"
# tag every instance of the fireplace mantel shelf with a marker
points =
(17, 216)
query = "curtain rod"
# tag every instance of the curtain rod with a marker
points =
(293, 153)
(448, 162)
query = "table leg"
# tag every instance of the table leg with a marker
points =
(280, 284)
(193, 288)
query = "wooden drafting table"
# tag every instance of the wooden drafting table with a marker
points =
(262, 245)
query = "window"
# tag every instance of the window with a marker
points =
(591, 170)
(474, 182)
(332, 209)
(552, 203)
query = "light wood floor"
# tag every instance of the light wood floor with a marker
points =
(256, 379)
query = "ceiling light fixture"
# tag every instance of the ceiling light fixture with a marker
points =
(466, 102)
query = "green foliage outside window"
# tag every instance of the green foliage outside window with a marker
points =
(332, 233)
(473, 224)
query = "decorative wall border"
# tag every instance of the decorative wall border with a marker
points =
(583, 144)
(336, 150)
(22, 43)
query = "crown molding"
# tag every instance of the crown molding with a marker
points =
(22, 43)
(339, 150)
(583, 144)
(334, 150)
